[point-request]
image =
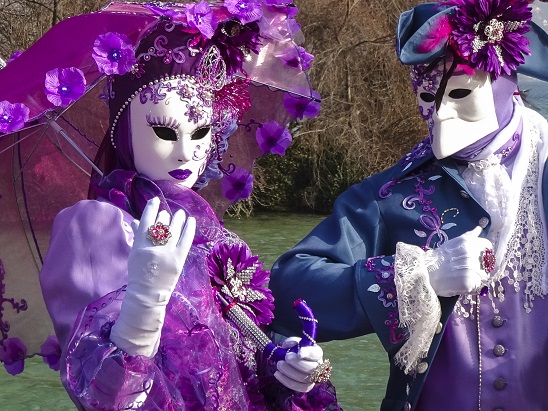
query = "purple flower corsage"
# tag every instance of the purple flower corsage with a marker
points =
(113, 53)
(246, 10)
(297, 58)
(300, 107)
(201, 17)
(490, 34)
(238, 276)
(273, 138)
(12, 116)
(64, 86)
(237, 185)
(51, 352)
(13, 353)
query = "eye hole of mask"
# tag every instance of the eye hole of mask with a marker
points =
(427, 97)
(200, 133)
(459, 93)
(165, 133)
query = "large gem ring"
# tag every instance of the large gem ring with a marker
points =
(159, 234)
(488, 260)
(321, 373)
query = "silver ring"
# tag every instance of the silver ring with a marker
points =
(321, 373)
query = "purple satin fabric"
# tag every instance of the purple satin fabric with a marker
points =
(86, 266)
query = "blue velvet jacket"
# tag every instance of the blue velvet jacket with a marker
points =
(344, 267)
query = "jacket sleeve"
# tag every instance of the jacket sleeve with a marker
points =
(340, 271)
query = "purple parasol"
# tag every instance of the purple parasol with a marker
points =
(54, 117)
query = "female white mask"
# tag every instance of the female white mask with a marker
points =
(171, 130)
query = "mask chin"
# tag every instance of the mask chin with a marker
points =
(466, 114)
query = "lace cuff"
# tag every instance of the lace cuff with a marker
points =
(418, 305)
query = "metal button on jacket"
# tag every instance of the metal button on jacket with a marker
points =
(497, 321)
(500, 384)
(499, 350)
(439, 327)
(422, 367)
(483, 222)
(464, 194)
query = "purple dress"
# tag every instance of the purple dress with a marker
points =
(202, 363)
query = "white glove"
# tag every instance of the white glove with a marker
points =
(455, 267)
(153, 271)
(294, 372)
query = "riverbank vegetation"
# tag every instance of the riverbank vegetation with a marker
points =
(368, 118)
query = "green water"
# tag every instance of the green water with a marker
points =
(360, 368)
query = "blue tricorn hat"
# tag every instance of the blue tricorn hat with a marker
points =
(415, 27)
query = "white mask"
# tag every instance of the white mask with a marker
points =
(171, 132)
(466, 114)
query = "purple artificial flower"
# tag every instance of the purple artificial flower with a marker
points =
(13, 353)
(12, 116)
(165, 10)
(51, 352)
(239, 277)
(246, 10)
(273, 138)
(297, 58)
(235, 42)
(294, 26)
(300, 107)
(490, 33)
(113, 53)
(237, 185)
(63, 86)
(201, 17)
(16, 54)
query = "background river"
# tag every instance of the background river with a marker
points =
(360, 365)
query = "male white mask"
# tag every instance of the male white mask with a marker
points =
(171, 131)
(466, 113)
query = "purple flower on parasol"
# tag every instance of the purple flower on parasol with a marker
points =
(12, 354)
(113, 53)
(239, 277)
(273, 138)
(164, 10)
(63, 86)
(490, 33)
(246, 10)
(51, 352)
(12, 116)
(237, 185)
(201, 17)
(300, 107)
(297, 58)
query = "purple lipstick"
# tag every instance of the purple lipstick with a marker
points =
(180, 174)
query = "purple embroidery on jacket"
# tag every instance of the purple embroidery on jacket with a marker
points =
(17, 306)
(386, 289)
(385, 191)
(430, 219)
(434, 224)
(422, 149)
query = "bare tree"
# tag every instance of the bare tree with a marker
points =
(368, 118)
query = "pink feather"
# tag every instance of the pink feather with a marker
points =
(439, 34)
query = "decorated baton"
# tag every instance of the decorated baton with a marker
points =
(271, 351)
